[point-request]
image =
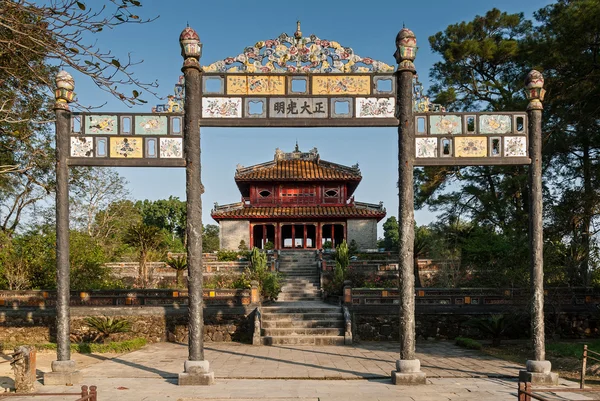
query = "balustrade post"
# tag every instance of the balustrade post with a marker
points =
(408, 368)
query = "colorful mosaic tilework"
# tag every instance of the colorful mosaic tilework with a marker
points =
(82, 147)
(151, 125)
(171, 148)
(126, 147)
(445, 125)
(219, 107)
(99, 124)
(515, 146)
(495, 124)
(470, 146)
(426, 147)
(371, 107)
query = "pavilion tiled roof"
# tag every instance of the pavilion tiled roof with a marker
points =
(298, 166)
(268, 212)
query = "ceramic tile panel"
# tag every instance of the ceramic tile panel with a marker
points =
(426, 147)
(221, 107)
(445, 125)
(470, 146)
(151, 125)
(126, 147)
(341, 85)
(101, 124)
(171, 148)
(495, 124)
(371, 107)
(515, 146)
(82, 146)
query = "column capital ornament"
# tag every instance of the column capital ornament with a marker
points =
(406, 50)
(534, 90)
(64, 90)
(191, 48)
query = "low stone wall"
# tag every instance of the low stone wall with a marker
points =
(381, 323)
(155, 324)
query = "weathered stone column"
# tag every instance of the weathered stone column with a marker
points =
(64, 370)
(538, 369)
(196, 369)
(408, 369)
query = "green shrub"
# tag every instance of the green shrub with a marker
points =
(468, 343)
(492, 327)
(327, 245)
(269, 245)
(87, 348)
(106, 325)
(224, 255)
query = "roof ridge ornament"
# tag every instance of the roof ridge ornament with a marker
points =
(298, 54)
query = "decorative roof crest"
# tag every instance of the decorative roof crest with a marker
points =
(298, 54)
(311, 155)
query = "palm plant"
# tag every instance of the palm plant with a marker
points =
(179, 264)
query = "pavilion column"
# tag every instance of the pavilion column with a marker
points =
(64, 370)
(537, 370)
(196, 369)
(408, 368)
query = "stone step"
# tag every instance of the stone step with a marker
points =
(312, 292)
(298, 285)
(304, 331)
(303, 295)
(302, 315)
(304, 340)
(298, 298)
(285, 324)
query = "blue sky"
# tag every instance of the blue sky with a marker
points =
(225, 28)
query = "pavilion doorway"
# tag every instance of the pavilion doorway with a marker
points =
(298, 236)
(333, 233)
(261, 234)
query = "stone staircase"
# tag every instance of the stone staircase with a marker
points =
(302, 323)
(301, 278)
(299, 317)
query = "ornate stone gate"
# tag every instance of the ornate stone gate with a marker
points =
(296, 81)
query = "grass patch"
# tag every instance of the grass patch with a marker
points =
(468, 343)
(93, 348)
(571, 350)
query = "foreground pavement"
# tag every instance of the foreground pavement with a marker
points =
(244, 372)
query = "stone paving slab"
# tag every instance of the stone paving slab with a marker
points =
(358, 372)
(362, 361)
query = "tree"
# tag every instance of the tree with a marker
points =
(391, 234)
(36, 37)
(166, 214)
(94, 189)
(566, 47)
(144, 238)
(422, 244)
(210, 238)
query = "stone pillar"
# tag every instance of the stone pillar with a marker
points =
(196, 369)
(408, 368)
(538, 370)
(64, 370)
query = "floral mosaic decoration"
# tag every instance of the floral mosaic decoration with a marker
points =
(515, 146)
(375, 107)
(221, 107)
(171, 148)
(82, 147)
(298, 54)
(426, 147)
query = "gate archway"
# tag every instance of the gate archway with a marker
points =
(296, 81)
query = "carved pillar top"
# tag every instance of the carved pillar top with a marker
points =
(191, 48)
(64, 90)
(534, 84)
(406, 50)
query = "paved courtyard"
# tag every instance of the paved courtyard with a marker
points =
(245, 372)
